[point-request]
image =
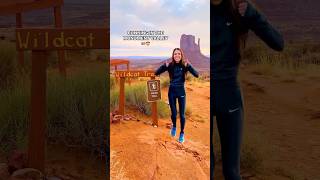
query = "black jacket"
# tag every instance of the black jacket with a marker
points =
(224, 49)
(177, 76)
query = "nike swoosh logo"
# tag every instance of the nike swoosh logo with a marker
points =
(228, 23)
(233, 110)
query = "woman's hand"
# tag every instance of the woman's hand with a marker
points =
(186, 62)
(242, 6)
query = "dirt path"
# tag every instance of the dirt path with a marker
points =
(283, 118)
(140, 151)
(282, 122)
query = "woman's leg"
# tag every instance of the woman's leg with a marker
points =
(229, 117)
(173, 108)
(182, 109)
(230, 132)
(212, 117)
(212, 159)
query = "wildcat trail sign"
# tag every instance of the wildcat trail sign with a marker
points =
(57, 39)
(41, 41)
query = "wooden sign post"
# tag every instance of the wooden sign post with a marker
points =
(40, 41)
(119, 62)
(130, 74)
(17, 7)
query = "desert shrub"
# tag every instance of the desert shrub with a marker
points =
(114, 99)
(294, 56)
(165, 82)
(8, 64)
(77, 111)
(136, 97)
(163, 109)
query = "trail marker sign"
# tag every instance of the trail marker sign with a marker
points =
(40, 41)
(58, 39)
(137, 73)
(154, 90)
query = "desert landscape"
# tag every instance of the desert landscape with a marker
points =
(280, 90)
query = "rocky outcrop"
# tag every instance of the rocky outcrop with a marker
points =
(193, 52)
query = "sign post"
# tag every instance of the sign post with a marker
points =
(40, 41)
(154, 91)
(36, 152)
(61, 54)
(17, 7)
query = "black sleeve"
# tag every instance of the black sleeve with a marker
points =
(259, 24)
(192, 70)
(161, 69)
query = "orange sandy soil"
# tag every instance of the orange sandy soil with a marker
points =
(74, 164)
(282, 122)
(71, 163)
(140, 151)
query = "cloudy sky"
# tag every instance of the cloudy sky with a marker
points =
(175, 17)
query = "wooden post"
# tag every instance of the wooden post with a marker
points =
(61, 54)
(128, 69)
(115, 69)
(154, 110)
(36, 146)
(19, 25)
(122, 96)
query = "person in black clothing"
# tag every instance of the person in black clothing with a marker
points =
(177, 70)
(230, 22)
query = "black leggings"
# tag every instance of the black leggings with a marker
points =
(182, 106)
(227, 108)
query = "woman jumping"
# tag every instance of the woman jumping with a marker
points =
(177, 70)
(230, 22)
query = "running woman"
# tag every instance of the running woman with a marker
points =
(177, 69)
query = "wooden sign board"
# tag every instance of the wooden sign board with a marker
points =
(153, 90)
(146, 73)
(8, 7)
(57, 39)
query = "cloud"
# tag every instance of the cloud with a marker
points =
(174, 17)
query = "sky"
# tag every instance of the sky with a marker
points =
(174, 17)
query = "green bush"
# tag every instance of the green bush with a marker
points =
(8, 64)
(165, 82)
(77, 108)
(112, 82)
(114, 99)
(295, 56)
(14, 115)
(163, 109)
(136, 97)
(77, 111)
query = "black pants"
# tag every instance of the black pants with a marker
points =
(182, 106)
(227, 109)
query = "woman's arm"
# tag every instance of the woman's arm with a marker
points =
(259, 24)
(161, 69)
(192, 70)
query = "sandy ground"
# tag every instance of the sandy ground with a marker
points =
(140, 151)
(281, 126)
(282, 116)
(74, 163)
